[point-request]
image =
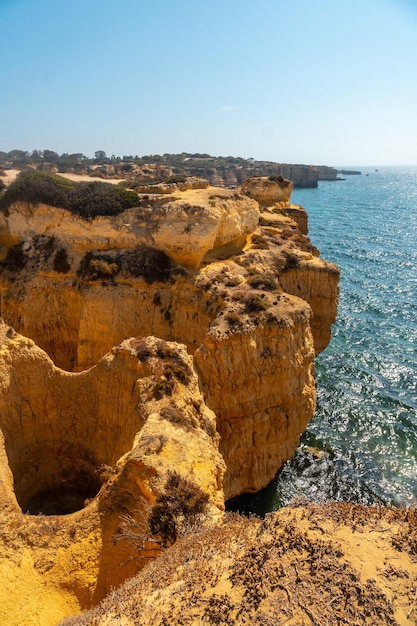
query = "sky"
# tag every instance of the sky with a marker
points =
(324, 82)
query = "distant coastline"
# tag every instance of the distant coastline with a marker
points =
(132, 170)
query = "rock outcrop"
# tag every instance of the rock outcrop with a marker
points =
(170, 187)
(327, 173)
(184, 227)
(226, 302)
(302, 176)
(247, 314)
(268, 190)
(77, 452)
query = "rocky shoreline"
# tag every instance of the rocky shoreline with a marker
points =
(153, 363)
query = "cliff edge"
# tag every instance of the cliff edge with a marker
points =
(175, 335)
(338, 564)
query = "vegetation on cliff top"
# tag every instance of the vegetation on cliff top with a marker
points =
(155, 168)
(87, 200)
(308, 564)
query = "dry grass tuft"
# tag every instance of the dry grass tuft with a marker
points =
(301, 565)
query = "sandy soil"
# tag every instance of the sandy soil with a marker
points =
(11, 175)
(322, 565)
(84, 178)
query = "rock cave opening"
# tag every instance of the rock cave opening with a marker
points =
(61, 500)
(54, 479)
(62, 434)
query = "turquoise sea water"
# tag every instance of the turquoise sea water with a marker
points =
(366, 419)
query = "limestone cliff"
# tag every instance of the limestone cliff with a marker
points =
(78, 451)
(268, 190)
(303, 176)
(218, 304)
(327, 173)
(244, 290)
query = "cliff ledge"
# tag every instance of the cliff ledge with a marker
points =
(178, 335)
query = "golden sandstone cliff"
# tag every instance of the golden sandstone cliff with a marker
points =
(178, 335)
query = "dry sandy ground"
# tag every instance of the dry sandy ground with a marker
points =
(84, 178)
(322, 565)
(11, 175)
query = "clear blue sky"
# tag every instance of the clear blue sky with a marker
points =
(326, 82)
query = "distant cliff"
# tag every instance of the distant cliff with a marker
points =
(231, 175)
(219, 171)
(349, 172)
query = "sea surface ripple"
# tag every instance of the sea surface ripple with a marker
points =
(362, 442)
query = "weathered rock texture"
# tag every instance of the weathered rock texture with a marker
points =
(268, 190)
(253, 314)
(185, 227)
(229, 175)
(79, 450)
(337, 564)
(249, 302)
(167, 187)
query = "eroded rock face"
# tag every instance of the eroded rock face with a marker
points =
(190, 182)
(184, 227)
(251, 379)
(238, 285)
(268, 190)
(253, 318)
(77, 451)
(196, 224)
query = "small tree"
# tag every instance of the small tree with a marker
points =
(51, 156)
(100, 156)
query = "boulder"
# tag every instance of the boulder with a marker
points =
(268, 190)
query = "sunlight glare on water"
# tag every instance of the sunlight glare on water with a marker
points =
(362, 442)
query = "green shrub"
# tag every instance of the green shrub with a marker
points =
(87, 199)
(172, 414)
(150, 264)
(34, 187)
(259, 242)
(174, 370)
(93, 199)
(255, 304)
(292, 261)
(233, 318)
(163, 387)
(143, 350)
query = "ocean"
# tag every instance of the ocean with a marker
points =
(361, 444)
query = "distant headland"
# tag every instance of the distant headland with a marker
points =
(220, 171)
